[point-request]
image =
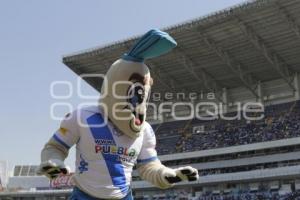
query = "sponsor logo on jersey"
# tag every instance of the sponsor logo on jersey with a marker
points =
(115, 150)
(104, 142)
(124, 154)
(83, 165)
(63, 130)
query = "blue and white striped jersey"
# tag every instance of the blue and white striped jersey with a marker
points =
(104, 156)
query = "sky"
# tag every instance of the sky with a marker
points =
(35, 34)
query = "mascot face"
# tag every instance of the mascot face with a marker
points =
(128, 82)
(127, 92)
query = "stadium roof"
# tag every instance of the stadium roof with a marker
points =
(25, 170)
(253, 42)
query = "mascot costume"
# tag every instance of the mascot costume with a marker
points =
(113, 137)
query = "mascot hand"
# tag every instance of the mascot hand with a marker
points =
(53, 168)
(183, 174)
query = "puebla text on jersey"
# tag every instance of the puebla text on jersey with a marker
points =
(104, 156)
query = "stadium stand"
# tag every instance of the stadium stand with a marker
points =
(25, 170)
(247, 53)
(277, 124)
(28, 183)
(1, 187)
(25, 178)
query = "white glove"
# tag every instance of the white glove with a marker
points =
(187, 173)
(53, 168)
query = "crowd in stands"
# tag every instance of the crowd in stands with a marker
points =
(204, 172)
(247, 195)
(241, 195)
(280, 121)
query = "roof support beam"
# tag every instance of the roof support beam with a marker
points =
(156, 73)
(208, 82)
(277, 63)
(289, 19)
(168, 85)
(297, 86)
(234, 66)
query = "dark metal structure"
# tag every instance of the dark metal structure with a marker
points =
(245, 45)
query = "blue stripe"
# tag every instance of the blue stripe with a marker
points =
(147, 160)
(55, 137)
(113, 164)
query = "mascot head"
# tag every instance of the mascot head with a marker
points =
(128, 82)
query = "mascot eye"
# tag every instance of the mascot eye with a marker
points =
(136, 95)
(140, 92)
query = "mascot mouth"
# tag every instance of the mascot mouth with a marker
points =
(136, 122)
(138, 118)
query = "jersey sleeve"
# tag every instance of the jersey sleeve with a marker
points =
(68, 132)
(148, 152)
